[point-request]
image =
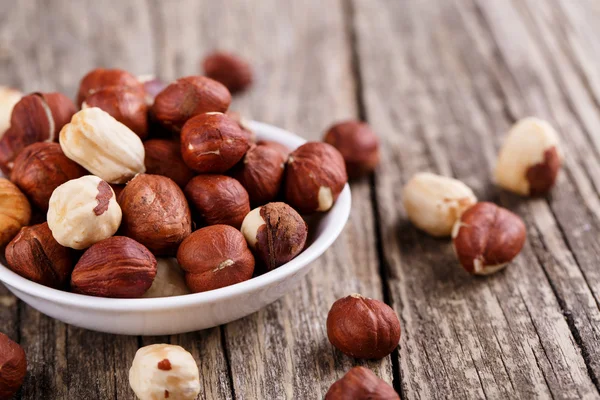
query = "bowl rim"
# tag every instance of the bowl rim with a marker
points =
(338, 215)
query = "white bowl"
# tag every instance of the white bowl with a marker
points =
(172, 315)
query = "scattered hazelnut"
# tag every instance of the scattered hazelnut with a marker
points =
(103, 146)
(315, 177)
(82, 212)
(361, 384)
(433, 202)
(358, 144)
(164, 371)
(187, 97)
(218, 199)
(276, 232)
(169, 280)
(363, 328)
(13, 367)
(487, 237)
(212, 143)
(215, 257)
(283, 149)
(163, 157)
(15, 211)
(243, 124)
(101, 78)
(8, 98)
(115, 267)
(530, 158)
(42, 167)
(155, 213)
(36, 255)
(229, 69)
(153, 86)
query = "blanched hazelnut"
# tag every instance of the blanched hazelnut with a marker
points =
(8, 98)
(163, 157)
(229, 69)
(433, 202)
(13, 367)
(358, 144)
(82, 212)
(102, 78)
(169, 280)
(530, 158)
(361, 384)
(15, 211)
(103, 146)
(164, 371)
(276, 233)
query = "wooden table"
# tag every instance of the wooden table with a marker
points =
(441, 82)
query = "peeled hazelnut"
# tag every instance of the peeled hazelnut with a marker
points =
(163, 157)
(229, 69)
(276, 232)
(115, 267)
(188, 97)
(164, 371)
(103, 146)
(434, 203)
(101, 78)
(15, 211)
(82, 212)
(155, 213)
(487, 237)
(357, 143)
(212, 143)
(169, 280)
(261, 173)
(153, 86)
(282, 149)
(42, 167)
(361, 384)
(363, 328)
(36, 255)
(8, 98)
(215, 257)
(530, 158)
(13, 367)
(315, 177)
(243, 124)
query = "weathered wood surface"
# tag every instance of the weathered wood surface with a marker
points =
(440, 81)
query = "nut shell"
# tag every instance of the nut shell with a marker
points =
(15, 211)
(101, 78)
(261, 173)
(358, 144)
(363, 328)
(13, 367)
(163, 157)
(361, 384)
(229, 69)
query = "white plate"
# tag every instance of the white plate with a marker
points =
(172, 315)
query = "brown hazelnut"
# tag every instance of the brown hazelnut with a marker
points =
(218, 199)
(363, 328)
(215, 257)
(487, 237)
(187, 97)
(357, 143)
(243, 124)
(163, 157)
(361, 384)
(42, 167)
(15, 211)
(315, 176)
(212, 143)
(13, 367)
(155, 213)
(153, 87)
(276, 233)
(101, 78)
(281, 148)
(229, 69)
(8, 98)
(261, 173)
(115, 267)
(36, 255)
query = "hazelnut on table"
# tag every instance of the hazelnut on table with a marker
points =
(169, 280)
(361, 384)
(232, 71)
(15, 211)
(103, 78)
(13, 367)
(8, 98)
(358, 144)
(163, 157)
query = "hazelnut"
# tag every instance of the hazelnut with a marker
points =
(163, 157)
(530, 158)
(13, 367)
(314, 178)
(361, 384)
(243, 124)
(261, 173)
(115, 267)
(153, 87)
(212, 143)
(215, 257)
(82, 212)
(276, 232)
(103, 146)
(15, 211)
(283, 149)
(155, 213)
(36, 255)
(229, 69)
(169, 280)
(357, 143)
(164, 371)
(487, 237)
(8, 98)
(42, 167)
(101, 78)
(363, 328)
(433, 203)
(187, 97)
(218, 199)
